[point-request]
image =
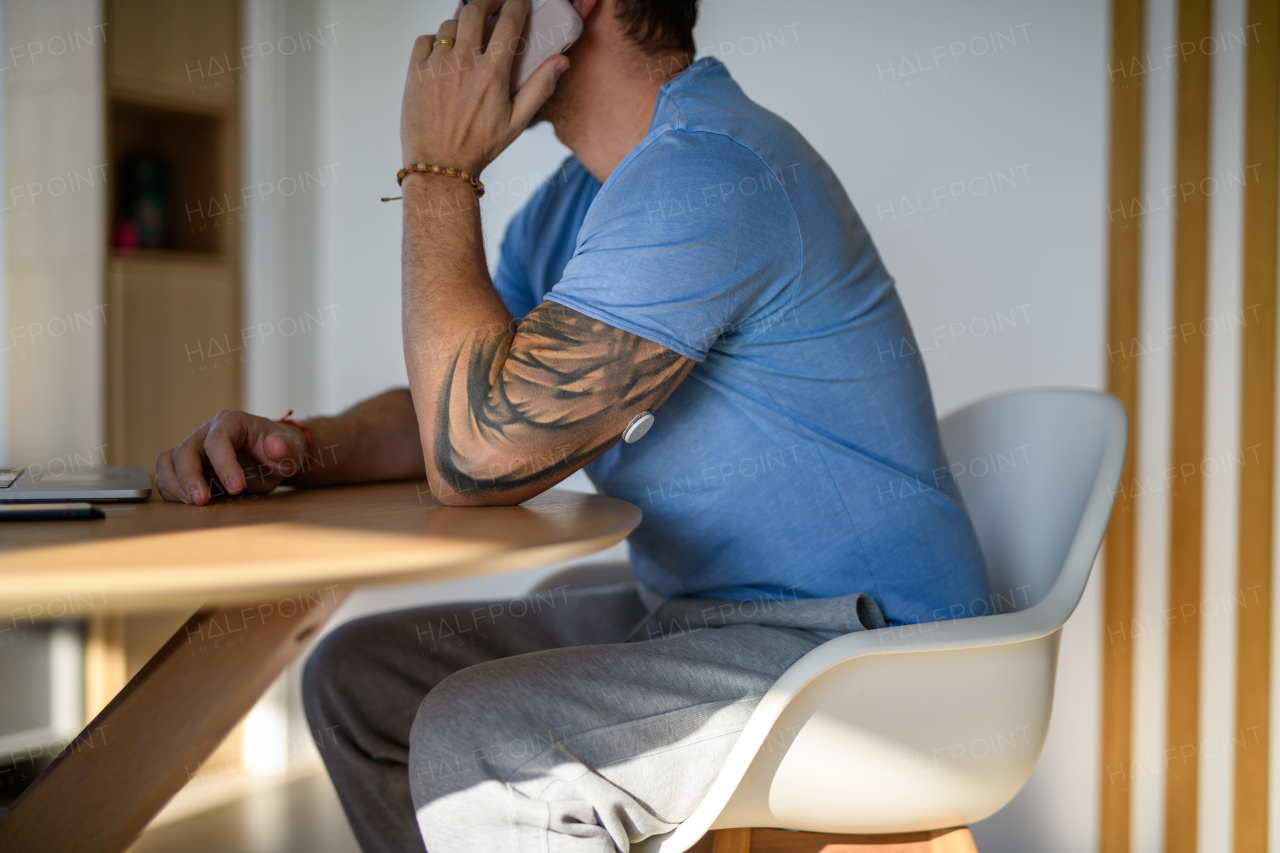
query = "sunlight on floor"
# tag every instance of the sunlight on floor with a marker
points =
(301, 816)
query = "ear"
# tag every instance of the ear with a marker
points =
(584, 7)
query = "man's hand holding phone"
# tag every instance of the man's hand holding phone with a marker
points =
(458, 110)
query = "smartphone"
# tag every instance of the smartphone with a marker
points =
(552, 27)
(49, 512)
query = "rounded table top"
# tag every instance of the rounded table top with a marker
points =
(159, 554)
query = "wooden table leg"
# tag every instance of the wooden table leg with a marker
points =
(99, 794)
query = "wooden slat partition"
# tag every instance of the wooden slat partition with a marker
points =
(1257, 422)
(1123, 306)
(1186, 511)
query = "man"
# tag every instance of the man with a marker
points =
(695, 259)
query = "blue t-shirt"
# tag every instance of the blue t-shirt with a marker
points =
(800, 457)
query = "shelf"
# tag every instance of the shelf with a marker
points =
(188, 147)
(168, 256)
(175, 151)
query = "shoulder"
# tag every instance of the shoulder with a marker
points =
(707, 138)
(687, 152)
(684, 184)
(703, 116)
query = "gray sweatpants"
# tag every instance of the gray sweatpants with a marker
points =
(572, 720)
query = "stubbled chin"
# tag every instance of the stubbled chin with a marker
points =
(555, 106)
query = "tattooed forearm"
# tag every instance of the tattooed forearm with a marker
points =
(521, 409)
(505, 413)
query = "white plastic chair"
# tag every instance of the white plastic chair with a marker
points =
(921, 730)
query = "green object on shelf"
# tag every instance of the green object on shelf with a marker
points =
(142, 209)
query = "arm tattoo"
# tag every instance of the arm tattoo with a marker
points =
(544, 401)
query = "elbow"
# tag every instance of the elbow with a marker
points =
(453, 487)
(477, 497)
(449, 496)
(451, 490)
(483, 500)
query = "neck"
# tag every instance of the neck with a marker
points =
(611, 108)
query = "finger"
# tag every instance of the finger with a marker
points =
(280, 455)
(188, 464)
(531, 97)
(421, 51)
(285, 443)
(418, 57)
(220, 448)
(437, 52)
(471, 23)
(447, 29)
(256, 476)
(506, 35)
(277, 447)
(285, 449)
(166, 477)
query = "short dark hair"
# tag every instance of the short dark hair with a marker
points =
(660, 25)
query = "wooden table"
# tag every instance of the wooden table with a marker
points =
(263, 575)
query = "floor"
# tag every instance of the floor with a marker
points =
(302, 816)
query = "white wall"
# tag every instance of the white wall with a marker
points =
(281, 137)
(4, 290)
(54, 333)
(1031, 105)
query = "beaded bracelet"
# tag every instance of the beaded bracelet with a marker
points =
(447, 171)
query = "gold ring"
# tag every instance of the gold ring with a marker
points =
(444, 40)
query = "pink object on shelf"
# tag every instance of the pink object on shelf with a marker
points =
(127, 236)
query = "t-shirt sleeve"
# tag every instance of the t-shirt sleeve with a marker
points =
(511, 279)
(694, 237)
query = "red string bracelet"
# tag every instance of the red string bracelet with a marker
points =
(311, 447)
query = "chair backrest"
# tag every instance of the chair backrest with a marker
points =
(1028, 465)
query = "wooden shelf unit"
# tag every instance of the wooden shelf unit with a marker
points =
(174, 313)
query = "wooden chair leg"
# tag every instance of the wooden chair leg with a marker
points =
(957, 840)
(732, 841)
